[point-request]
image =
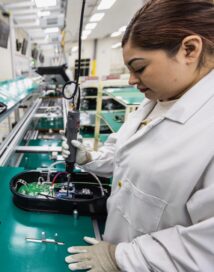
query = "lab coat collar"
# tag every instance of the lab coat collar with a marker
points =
(144, 109)
(192, 100)
(180, 112)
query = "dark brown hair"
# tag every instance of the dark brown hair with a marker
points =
(163, 24)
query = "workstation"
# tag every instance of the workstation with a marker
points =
(37, 224)
(98, 129)
(31, 223)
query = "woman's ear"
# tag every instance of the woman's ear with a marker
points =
(191, 48)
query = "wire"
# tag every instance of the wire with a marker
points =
(80, 40)
(97, 179)
(51, 166)
(76, 82)
(47, 196)
(55, 177)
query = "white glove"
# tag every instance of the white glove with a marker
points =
(83, 156)
(100, 257)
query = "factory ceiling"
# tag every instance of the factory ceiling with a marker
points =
(44, 24)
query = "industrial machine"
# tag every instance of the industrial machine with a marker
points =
(50, 184)
(43, 210)
(48, 188)
(47, 204)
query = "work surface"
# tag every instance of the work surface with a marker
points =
(18, 255)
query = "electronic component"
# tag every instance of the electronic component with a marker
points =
(51, 192)
(46, 190)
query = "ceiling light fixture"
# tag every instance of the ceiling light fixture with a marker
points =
(115, 34)
(83, 37)
(119, 32)
(86, 32)
(106, 4)
(46, 3)
(122, 29)
(96, 17)
(90, 26)
(116, 45)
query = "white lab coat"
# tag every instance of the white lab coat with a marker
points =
(162, 217)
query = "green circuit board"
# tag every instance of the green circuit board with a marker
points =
(35, 189)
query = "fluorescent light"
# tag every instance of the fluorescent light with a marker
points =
(90, 26)
(115, 34)
(116, 45)
(43, 13)
(119, 32)
(122, 29)
(45, 3)
(106, 4)
(51, 30)
(96, 17)
(86, 32)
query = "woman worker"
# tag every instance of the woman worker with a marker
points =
(161, 208)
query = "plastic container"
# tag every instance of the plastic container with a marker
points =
(86, 204)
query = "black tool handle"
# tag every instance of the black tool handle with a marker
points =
(72, 129)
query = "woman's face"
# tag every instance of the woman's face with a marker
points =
(156, 74)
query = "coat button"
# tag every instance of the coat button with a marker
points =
(120, 183)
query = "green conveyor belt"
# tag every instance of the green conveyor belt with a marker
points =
(18, 255)
(50, 123)
(32, 161)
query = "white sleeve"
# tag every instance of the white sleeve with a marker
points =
(183, 249)
(103, 159)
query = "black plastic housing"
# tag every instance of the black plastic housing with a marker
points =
(92, 206)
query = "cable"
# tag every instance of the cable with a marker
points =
(56, 176)
(61, 162)
(51, 166)
(76, 82)
(80, 41)
(97, 179)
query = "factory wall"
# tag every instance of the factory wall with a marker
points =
(5, 63)
(5, 56)
(109, 61)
